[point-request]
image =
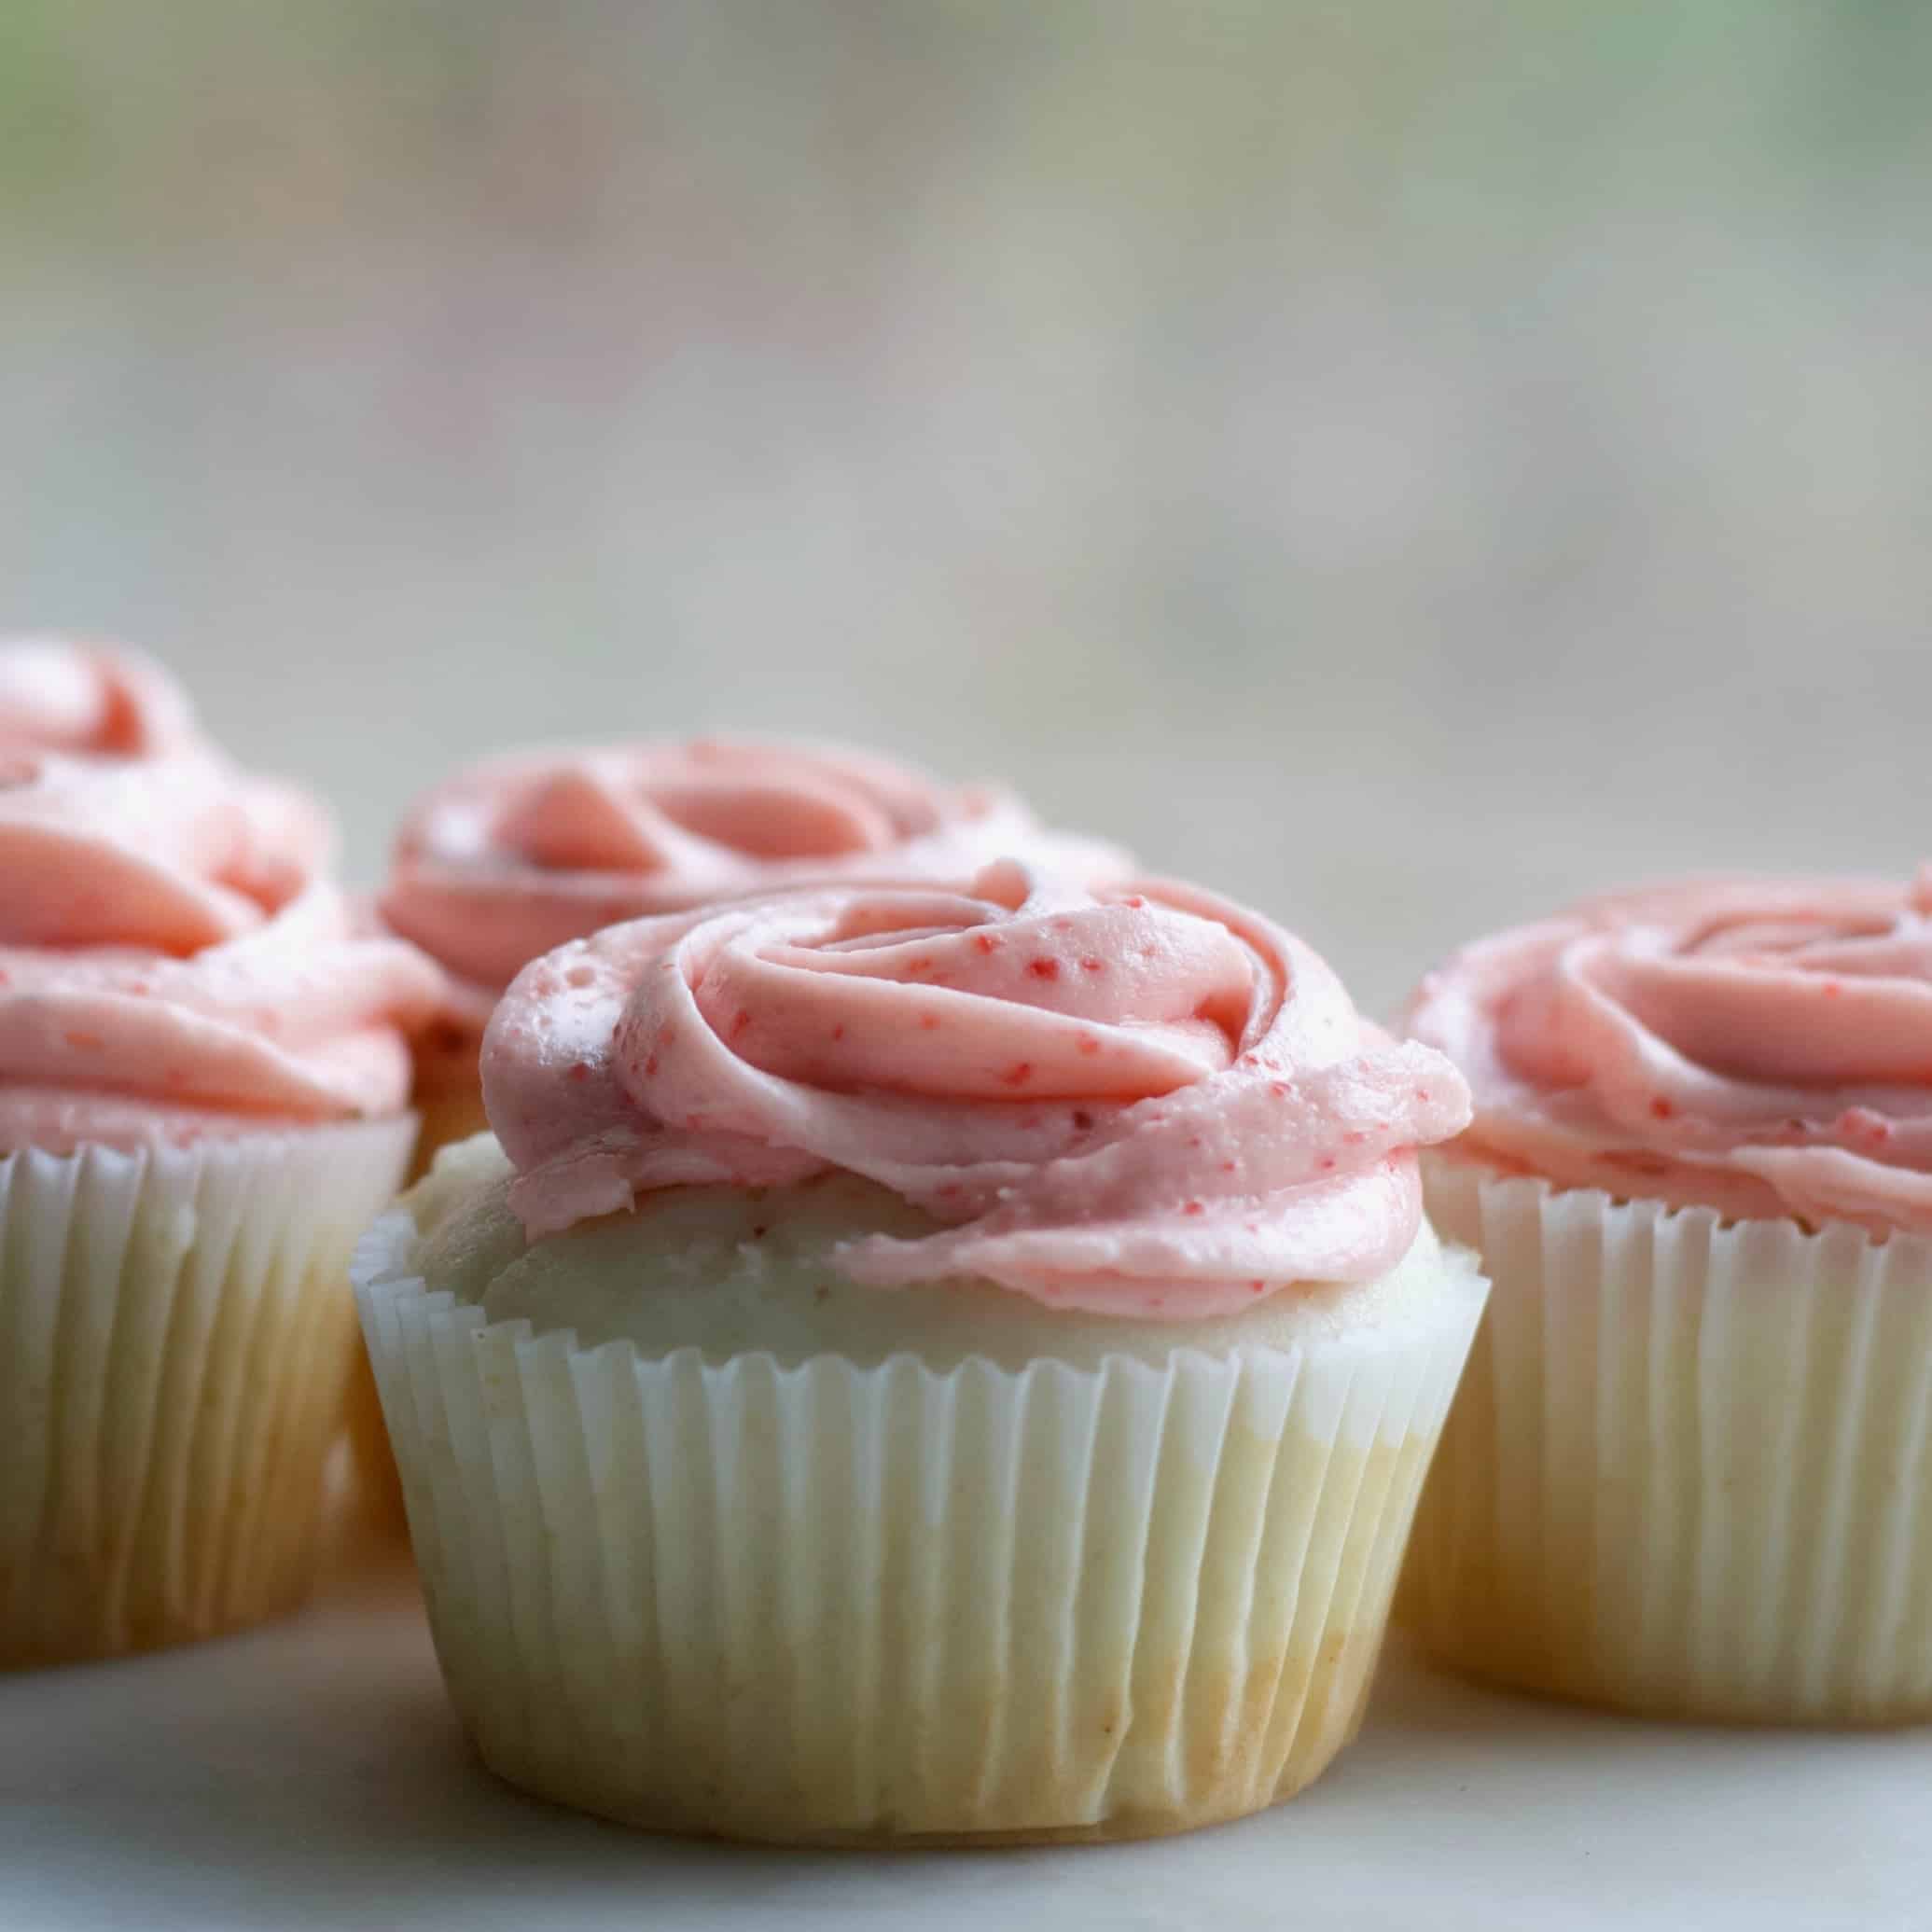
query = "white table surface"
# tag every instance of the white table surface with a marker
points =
(312, 1775)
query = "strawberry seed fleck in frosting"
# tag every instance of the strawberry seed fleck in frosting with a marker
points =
(1758, 1047)
(1209, 1114)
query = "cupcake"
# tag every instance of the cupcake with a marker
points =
(1690, 1473)
(515, 855)
(922, 1363)
(202, 1079)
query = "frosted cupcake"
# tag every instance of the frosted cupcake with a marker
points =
(203, 1078)
(923, 1364)
(515, 855)
(1690, 1469)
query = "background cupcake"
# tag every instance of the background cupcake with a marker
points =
(922, 1363)
(1690, 1469)
(202, 1075)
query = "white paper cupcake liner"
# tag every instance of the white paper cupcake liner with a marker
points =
(449, 1106)
(175, 1334)
(832, 1601)
(1690, 1471)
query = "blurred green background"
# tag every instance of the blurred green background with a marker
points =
(1403, 464)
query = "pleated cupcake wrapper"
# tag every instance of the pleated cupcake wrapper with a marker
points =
(448, 1100)
(835, 1602)
(1690, 1471)
(175, 1327)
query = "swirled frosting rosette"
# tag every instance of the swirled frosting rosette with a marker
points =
(1757, 1047)
(1139, 1098)
(174, 961)
(203, 1076)
(1688, 1474)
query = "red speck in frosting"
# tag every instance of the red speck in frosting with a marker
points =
(1091, 965)
(1089, 1044)
(1329, 1163)
(987, 942)
(838, 1031)
(1018, 1074)
(923, 964)
(1663, 1108)
(581, 1071)
(84, 1040)
(1134, 900)
(738, 1024)
(1193, 1207)
(1083, 1120)
(1227, 1167)
(664, 1035)
(1354, 1137)
(1280, 1088)
(1044, 968)
(929, 1021)
(650, 1064)
(1255, 1287)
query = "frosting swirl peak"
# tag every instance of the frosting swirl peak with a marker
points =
(1139, 1100)
(1758, 1047)
(57, 696)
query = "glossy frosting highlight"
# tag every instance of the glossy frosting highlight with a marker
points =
(1140, 1100)
(173, 963)
(1759, 1047)
(514, 857)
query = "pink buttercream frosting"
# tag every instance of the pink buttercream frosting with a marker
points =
(1138, 1100)
(173, 962)
(57, 696)
(515, 855)
(1758, 1047)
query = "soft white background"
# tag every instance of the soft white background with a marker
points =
(1401, 465)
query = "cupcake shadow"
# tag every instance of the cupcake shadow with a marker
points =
(313, 1775)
